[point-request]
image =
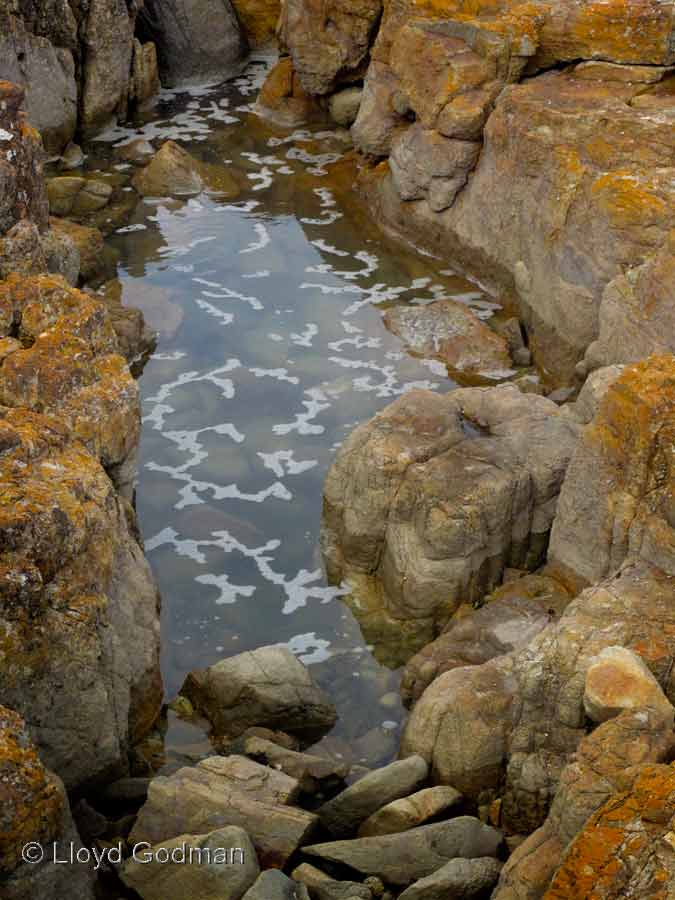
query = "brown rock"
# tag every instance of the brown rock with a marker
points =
(174, 172)
(258, 19)
(409, 812)
(90, 246)
(620, 680)
(282, 98)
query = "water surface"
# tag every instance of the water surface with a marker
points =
(271, 350)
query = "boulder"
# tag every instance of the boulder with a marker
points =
(196, 40)
(22, 189)
(89, 244)
(617, 498)
(221, 865)
(378, 123)
(437, 494)
(61, 254)
(34, 810)
(344, 813)
(618, 679)
(269, 687)
(409, 812)
(173, 172)
(258, 19)
(512, 615)
(312, 772)
(400, 859)
(452, 333)
(460, 879)
(605, 762)
(274, 885)
(22, 251)
(283, 100)
(222, 791)
(77, 196)
(344, 106)
(329, 43)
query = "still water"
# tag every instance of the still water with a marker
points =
(271, 349)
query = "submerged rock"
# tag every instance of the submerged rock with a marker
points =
(174, 172)
(403, 858)
(452, 333)
(269, 687)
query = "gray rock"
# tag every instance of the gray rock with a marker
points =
(268, 687)
(344, 106)
(72, 157)
(342, 890)
(274, 885)
(343, 814)
(377, 123)
(406, 857)
(460, 879)
(195, 39)
(311, 771)
(224, 866)
(127, 790)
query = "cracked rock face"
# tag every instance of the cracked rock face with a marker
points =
(437, 494)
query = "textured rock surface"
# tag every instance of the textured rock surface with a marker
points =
(605, 762)
(34, 809)
(618, 680)
(227, 791)
(460, 879)
(274, 885)
(174, 172)
(618, 497)
(310, 770)
(228, 880)
(403, 858)
(269, 687)
(409, 812)
(283, 99)
(344, 813)
(195, 39)
(452, 333)
(258, 19)
(22, 189)
(329, 42)
(437, 494)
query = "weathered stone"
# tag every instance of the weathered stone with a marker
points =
(72, 157)
(274, 885)
(89, 244)
(310, 771)
(138, 151)
(223, 791)
(516, 613)
(22, 251)
(268, 687)
(221, 865)
(618, 679)
(426, 165)
(460, 879)
(282, 98)
(259, 19)
(344, 106)
(403, 858)
(48, 75)
(34, 810)
(618, 495)
(144, 72)
(344, 813)
(61, 254)
(22, 188)
(195, 39)
(329, 42)
(452, 333)
(437, 494)
(174, 172)
(108, 46)
(378, 123)
(409, 812)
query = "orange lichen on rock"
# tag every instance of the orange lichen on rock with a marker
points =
(31, 804)
(627, 846)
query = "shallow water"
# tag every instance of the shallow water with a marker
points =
(271, 350)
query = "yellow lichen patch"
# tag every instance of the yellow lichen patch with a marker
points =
(627, 200)
(31, 803)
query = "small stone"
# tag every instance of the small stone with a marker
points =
(619, 680)
(375, 885)
(274, 885)
(522, 356)
(344, 106)
(72, 157)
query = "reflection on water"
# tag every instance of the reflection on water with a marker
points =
(271, 350)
